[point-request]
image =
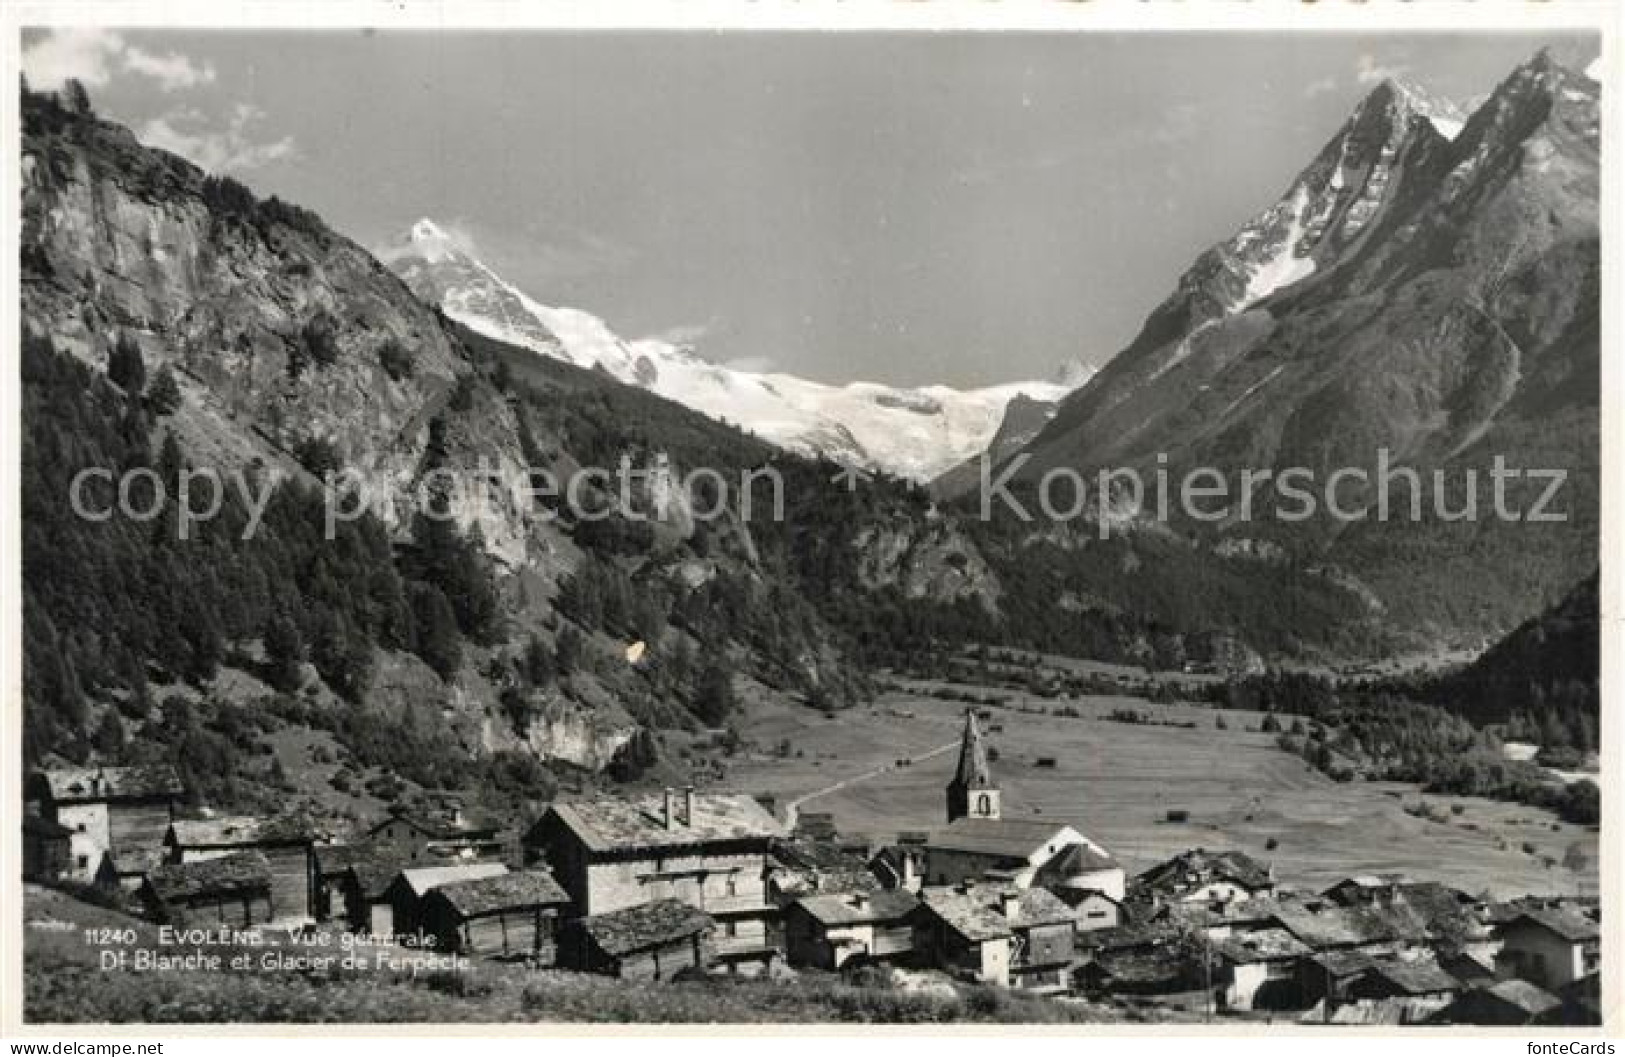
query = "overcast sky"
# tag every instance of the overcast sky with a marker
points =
(960, 208)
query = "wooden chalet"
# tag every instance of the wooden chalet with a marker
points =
(364, 886)
(229, 890)
(286, 844)
(408, 889)
(652, 941)
(432, 836)
(513, 914)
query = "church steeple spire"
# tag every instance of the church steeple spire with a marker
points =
(972, 793)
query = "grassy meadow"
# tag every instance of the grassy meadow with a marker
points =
(1118, 782)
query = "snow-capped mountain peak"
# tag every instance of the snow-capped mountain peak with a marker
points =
(1445, 116)
(911, 432)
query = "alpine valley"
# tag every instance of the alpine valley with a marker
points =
(1428, 285)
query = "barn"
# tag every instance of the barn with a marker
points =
(285, 843)
(230, 890)
(512, 914)
(406, 892)
(652, 941)
(364, 887)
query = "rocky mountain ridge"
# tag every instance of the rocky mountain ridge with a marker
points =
(1432, 297)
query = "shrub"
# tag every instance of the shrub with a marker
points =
(397, 360)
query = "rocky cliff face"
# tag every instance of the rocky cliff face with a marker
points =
(1432, 297)
(276, 326)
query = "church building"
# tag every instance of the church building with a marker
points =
(979, 844)
(972, 793)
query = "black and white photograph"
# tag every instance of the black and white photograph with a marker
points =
(836, 522)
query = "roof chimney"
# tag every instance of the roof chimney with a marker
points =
(688, 805)
(1010, 905)
(815, 877)
(860, 900)
(669, 815)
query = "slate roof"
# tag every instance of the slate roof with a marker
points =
(437, 824)
(1351, 926)
(237, 831)
(1343, 963)
(1162, 965)
(1079, 859)
(1446, 913)
(1525, 996)
(1004, 837)
(859, 908)
(1132, 936)
(1416, 978)
(420, 880)
(69, 785)
(801, 862)
(613, 824)
(1575, 928)
(244, 872)
(1381, 1011)
(132, 862)
(1193, 869)
(1466, 967)
(978, 915)
(1265, 945)
(648, 925)
(1256, 911)
(333, 859)
(513, 891)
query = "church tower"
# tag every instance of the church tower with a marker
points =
(972, 793)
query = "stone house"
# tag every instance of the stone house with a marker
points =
(514, 914)
(1092, 910)
(1001, 935)
(651, 941)
(1550, 947)
(826, 931)
(106, 809)
(713, 851)
(1257, 970)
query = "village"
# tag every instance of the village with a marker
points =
(689, 882)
